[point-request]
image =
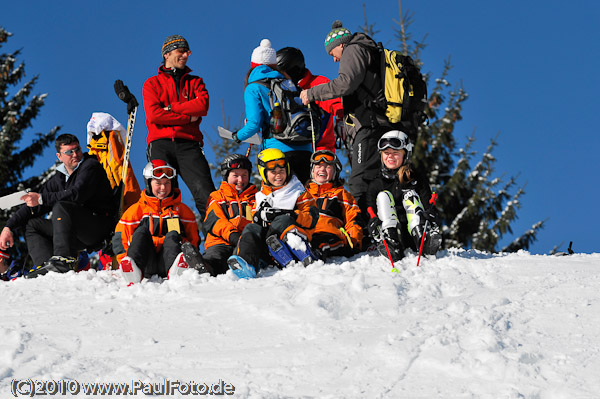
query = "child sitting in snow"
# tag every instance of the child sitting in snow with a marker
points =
(229, 210)
(158, 234)
(400, 197)
(284, 216)
(337, 232)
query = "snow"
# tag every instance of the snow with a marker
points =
(465, 325)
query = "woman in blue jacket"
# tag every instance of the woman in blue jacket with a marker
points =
(258, 110)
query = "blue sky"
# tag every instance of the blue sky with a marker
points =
(530, 69)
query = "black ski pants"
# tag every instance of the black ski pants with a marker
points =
(217, 256)
(366, 164)
(187, 157)
(71, 229)
(151, 262)
(252, 245)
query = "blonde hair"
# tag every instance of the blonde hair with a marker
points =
(405, 173)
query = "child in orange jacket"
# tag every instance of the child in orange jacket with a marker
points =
(338, 232)
(283, 218)
(229, 210)
(158, 234)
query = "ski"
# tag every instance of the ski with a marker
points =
(125, 95)
(228, 134)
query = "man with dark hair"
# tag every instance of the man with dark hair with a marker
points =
(80, 198)
(175, 102)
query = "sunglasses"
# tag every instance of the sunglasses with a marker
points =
(326, 157)
(70, 153)
(277, 163)
(393, 143)
(163, 171)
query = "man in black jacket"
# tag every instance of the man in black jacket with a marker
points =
(83, 212)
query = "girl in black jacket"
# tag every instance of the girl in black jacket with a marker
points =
(401, 198)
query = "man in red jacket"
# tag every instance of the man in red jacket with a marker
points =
(291, 61)
(175, 102)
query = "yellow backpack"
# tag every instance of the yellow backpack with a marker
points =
(404, 88)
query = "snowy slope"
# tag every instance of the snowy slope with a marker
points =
(465, 325)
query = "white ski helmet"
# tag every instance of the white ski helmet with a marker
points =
(396, 140)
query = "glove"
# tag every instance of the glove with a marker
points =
(234, 237)
(374, 227)
(234, 137)
(431, 215)
(125, 96)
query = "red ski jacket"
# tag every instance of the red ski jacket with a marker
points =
(160, 91)
(333, 107)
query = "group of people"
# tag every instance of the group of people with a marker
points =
(301, 212)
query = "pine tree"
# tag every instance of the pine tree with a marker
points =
(476, 208)
(17, 112)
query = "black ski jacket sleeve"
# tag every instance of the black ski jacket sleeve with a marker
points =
(87, 186)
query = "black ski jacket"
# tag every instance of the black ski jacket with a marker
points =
(88, 186)
(420, 185)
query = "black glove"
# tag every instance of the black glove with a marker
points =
(431, 215)
(374, 227)
(234, 137)
(234, 237)
(125, 96)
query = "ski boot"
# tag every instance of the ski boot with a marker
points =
(394, 245)
(194, 259)
(179, 266)
(130, 272)
(240, 267)
(279, 251)
(58, 264)
(433, 238)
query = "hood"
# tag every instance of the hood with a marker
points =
(264, 72)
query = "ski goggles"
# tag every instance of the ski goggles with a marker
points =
(327, 157)
(393, 143)
(164, 171)
(276, 163)
(70, 153)
(237, 164)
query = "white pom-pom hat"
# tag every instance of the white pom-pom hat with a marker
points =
(264, 54)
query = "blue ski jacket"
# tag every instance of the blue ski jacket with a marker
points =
(258, 111)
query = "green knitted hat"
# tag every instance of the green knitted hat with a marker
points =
(337, 36)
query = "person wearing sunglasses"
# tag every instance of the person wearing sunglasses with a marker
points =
(400, 196)
(79, 196)
(175, 101)
(284, 216)
(159, 233)
(229, 211)
(338, 231)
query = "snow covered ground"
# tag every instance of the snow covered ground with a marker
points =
(465, 325)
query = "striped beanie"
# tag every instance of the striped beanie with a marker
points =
(174, 42)
(338, 35)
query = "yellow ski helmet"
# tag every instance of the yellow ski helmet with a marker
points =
(269, 159)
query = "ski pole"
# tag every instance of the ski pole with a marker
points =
(345, 233)
(432, 202)
(373, 215)
(248, 152)
(312, 128)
